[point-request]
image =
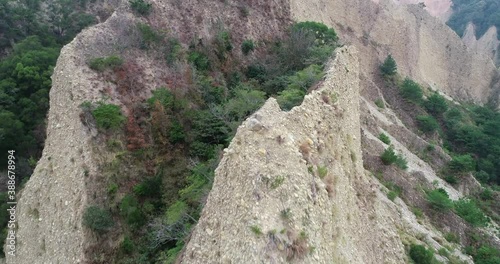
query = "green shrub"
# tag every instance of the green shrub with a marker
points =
(436, 104)
(176, 133)
(392, 195)
(322, 33)
(389, 157)
(401, 162)
(427, 123)
(222, 44)
(150, 187)
(417, 212)
(452, 238)
(176, 212)
(163, 96)
(380, 103)
(256, 230)
(462, 163)
(451, 179)
(439, 199)
(112, 188)
(141, 7)
(257, 72)
(199, 60)
(384, 138)
(411, 91)
(108, 116)
(127, 245)
(322, 171)
(421, 255)
(305, 78)
(97, 219)
(308, 43)
(486, 194)
(470, 212)
(482, 176)
(487, 255)
(290, 98)
(389, 67)
(104, 63)
(130, 210)
(247, 46)
(149, 35)
(298, 85)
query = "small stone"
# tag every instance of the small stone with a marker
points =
(209, 231)
(262, 151)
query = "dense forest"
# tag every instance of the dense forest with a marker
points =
(483, 13)
(32, 33)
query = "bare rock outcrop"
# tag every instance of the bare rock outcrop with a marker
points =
(438, 8)
(487, 44)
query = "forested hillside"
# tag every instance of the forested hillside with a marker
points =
(32, 33)
(483, 13)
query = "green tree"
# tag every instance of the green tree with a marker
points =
(421, 255)
(427, 123)
(436, 104)
(97, 219)
(411, 91)
(389, 67)
(462, 163)
(470, 212)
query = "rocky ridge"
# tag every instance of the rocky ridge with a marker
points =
(359, 216)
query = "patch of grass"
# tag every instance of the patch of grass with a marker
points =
(417, 212)
(380, 103)
(452, 237)
(286, 214)
(322, 171)
(256, 230)
(443, 252)
(384, 138)
(104, 63)
(277, 181)
(392, 195)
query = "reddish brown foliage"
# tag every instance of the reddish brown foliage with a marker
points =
(134, 133)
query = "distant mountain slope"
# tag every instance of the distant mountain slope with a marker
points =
(482, 13)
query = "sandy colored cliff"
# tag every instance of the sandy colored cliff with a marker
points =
(424, 48)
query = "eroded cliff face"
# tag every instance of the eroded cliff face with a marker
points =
(438, 8)
(339, 215)
(291, 187)
(273, 166)
(424, 48)
(69, 176)
(487, 44)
